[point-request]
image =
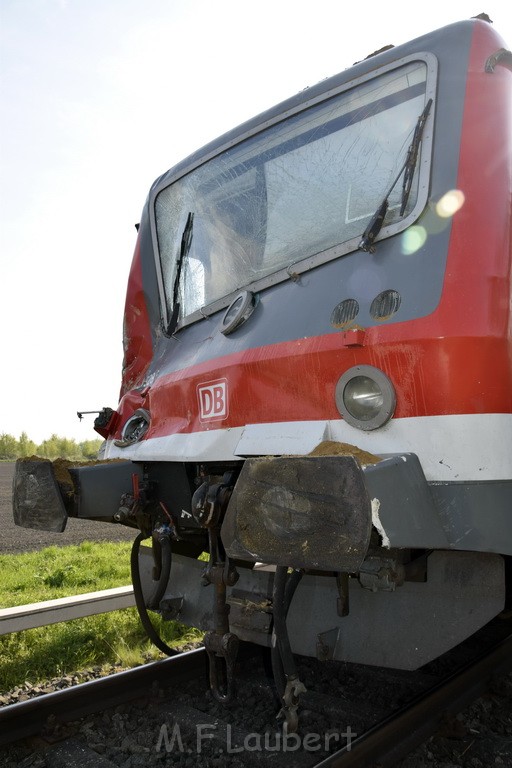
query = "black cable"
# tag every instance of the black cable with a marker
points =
(140, 602)
(281, 657)
(162, 545)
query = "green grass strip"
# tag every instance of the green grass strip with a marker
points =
(40, 654)
(62, 572)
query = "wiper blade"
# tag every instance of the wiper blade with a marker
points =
(186, 240)
(377, 220)
(412, 156)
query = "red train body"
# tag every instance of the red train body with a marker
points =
(464, 343)
(318, 366)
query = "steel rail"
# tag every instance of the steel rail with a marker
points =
(27, 718)
(401, 732)
(383, 745)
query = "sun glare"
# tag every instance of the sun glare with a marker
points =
(450, 203)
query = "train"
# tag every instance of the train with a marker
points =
(317, 376)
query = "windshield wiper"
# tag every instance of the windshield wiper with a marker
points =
(408, 168)
(412, 156)
(186, 240)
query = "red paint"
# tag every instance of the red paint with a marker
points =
(353, 338)
(138, 350)
(457, 360)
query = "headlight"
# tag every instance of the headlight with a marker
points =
(134, 429)
(365, 397)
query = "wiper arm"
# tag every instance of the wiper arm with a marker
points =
(412, 156)
(377, 220)
(186, 240)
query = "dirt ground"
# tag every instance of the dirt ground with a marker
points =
(14, 539)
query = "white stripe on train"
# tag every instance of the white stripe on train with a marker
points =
(450, 448)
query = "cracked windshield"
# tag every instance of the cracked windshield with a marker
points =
(300, 187)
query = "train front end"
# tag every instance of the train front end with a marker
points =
(317, 385)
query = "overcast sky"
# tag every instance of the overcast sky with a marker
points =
(99, 97)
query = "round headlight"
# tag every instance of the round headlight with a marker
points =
(365, 397)
(134, 429)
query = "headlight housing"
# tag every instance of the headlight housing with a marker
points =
(365, 397)
(134, 429)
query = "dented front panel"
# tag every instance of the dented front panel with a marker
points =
(302, 512)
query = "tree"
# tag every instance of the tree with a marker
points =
(55, 447)
(8, 447)
(90, 448)
(26, 447)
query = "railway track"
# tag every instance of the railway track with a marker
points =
(161, 713)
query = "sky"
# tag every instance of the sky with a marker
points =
(99, 97)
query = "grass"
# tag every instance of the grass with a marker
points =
(61, 571)
(36, 655)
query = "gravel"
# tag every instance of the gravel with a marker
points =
(133, 735)
(479, 737)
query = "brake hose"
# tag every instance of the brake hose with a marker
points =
(158, 593)
(283, 664)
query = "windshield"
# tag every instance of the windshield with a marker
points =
(301, 187)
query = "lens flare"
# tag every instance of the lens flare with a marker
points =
(413, 239)
(450, 203)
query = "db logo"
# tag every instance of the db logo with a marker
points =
(213, 400)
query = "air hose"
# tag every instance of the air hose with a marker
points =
(158, 593)
(283, 664)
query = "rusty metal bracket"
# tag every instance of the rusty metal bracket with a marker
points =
(291, 696)
(221, 644)
(222, 650)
